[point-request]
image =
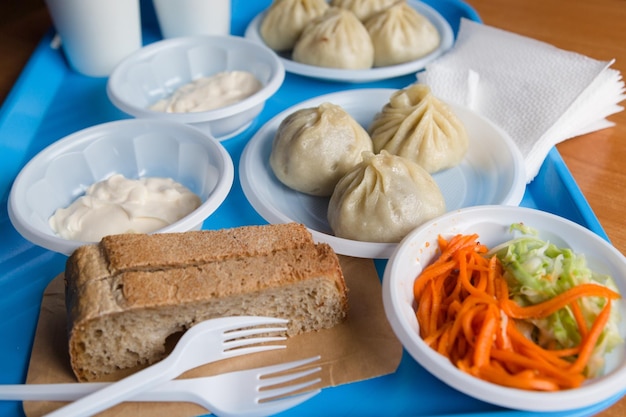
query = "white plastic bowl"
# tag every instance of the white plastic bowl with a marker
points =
(157, 70)
(135, 148)
(491, 223)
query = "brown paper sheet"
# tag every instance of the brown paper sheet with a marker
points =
(363, 347)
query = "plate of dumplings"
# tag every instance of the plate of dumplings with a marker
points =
(352, 41)
(362, 168)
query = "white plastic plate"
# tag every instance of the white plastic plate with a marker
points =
(492, 172)
(491, 223)
(335, 74)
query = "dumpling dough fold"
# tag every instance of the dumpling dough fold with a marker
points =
(363, 9)
(285, 19)
(382, 199)
(416, 125)
(336, 39)
(400, 34)
(314, 147)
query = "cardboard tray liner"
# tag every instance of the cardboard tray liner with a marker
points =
(362, 347)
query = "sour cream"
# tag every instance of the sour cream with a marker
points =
(209, 93)
(120, 205)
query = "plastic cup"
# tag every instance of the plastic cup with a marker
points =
(193, 17)
(96, 34)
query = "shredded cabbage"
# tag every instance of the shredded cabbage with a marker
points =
(536, 271)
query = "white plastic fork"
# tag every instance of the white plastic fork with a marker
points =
(205, 342)
(242, 393)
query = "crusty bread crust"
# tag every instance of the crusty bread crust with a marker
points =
(122, 308)
(119, 253)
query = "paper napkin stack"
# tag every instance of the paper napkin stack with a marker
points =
(540, 95)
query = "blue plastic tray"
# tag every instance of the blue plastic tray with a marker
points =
(50, 101)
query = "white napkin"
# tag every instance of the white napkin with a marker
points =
(539, 94)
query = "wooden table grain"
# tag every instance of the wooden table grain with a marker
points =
(593, 28)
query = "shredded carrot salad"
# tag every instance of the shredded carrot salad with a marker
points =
(465, 314)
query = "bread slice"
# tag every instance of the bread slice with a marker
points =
(127, 295)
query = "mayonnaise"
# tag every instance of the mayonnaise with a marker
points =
(120, 205)
(209, 93)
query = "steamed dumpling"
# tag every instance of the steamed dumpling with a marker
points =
(382, 199)
(400, 34)
(314, 147)
(285, 19)
(337, 39)
(416, 125)
(363, 9)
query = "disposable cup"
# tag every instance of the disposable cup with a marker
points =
(193, 17)
(96, 34)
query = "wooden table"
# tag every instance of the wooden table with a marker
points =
(593, 28)
(597, 161)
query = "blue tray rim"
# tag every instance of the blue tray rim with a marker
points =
(27, 88)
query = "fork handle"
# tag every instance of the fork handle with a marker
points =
(48, 392)
(167, 391)
(117, 392)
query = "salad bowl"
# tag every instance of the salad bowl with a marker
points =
(493, 224)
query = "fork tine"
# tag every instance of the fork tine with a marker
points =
(282, 404)
(252, 349)
(239, 344)
(275, 380)
(289, 373)
(235, 340)
(238, 334)
(276, 393)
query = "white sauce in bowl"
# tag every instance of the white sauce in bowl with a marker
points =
(120, 205)
(209, 93)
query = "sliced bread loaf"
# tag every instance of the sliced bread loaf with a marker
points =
(128, 294)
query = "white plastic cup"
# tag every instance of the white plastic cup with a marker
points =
(193, 17)
(96, 34)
